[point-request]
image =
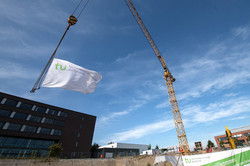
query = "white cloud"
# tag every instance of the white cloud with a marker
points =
(12, 70)
(243, 32)
(215, 111)
(143, 130)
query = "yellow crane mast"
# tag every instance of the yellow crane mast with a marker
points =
(169, 79)
(230, 139)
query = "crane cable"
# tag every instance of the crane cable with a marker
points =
(71, 21)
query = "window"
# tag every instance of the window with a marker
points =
(76, 144)
(11, 102)
(222, 139)
(57, 132)
(34, 118)
(15, 127)
(64, 114)
(40, 109)
(1, 124)
(52, 112)
(5, 113)
(26, 106)
(246, 134)
(48, 121)
(45, 131)
(31, 129)
(21, 116)
(1, 98)
(58, 123)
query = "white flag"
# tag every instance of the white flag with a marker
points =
(63, 74)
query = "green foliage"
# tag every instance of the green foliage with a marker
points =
(248, 137)
(222, 144)
(55, 150)
(148, 164)
(110, 143)
(210, 144)
(94, 146)
(236, 140)
(156, 147)
(149, 147)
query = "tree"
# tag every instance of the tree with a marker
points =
(55, 150)
(222, 144)
(156, 147)
(236, 141)
(149, 147)
(248, 137)
(94, 146)
(210, 144)
(110, 143)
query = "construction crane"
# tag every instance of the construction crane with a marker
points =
(169, 79)
(230, 139)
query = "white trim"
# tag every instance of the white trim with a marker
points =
(12, 114)
(3, 101)
(18, 104)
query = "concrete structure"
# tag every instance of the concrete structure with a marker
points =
(172, 149)
(198, 146)
(141, 147)
(240, 133)
(28, 128)
(151, 152)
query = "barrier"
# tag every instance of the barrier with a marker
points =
(234, 157)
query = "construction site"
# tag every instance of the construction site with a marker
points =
(29, 128)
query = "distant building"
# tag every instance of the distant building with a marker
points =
(151, 152)
(28, 128)
(198, 146)
(172, 149)
(118, 150)
(240, 133)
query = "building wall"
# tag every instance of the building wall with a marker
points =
(141, 147)
(241, 135)
(26, 120)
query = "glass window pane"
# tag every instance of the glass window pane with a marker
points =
(45, 131)
(64, 114)
(5, 113)
(26, 106)
(11, 102)
(31, 129)
(48, 121)
(40, 109)
(1, 98)
(34, 118)
(53, 112)
(57, 132)
(1, 124)
(21, 116)
(15, 127)
(58, 123)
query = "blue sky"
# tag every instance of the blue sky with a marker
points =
(206, 45)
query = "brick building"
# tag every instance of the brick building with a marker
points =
(28, 128)
(240, 133)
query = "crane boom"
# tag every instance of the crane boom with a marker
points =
(169, 79)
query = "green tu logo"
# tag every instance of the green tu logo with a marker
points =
(61, 68)
(187, 160)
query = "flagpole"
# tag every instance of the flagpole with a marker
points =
(72, 21)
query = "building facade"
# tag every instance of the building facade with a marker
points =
(141, 147)
(198, 146)
(28, 128)
(239, 133)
